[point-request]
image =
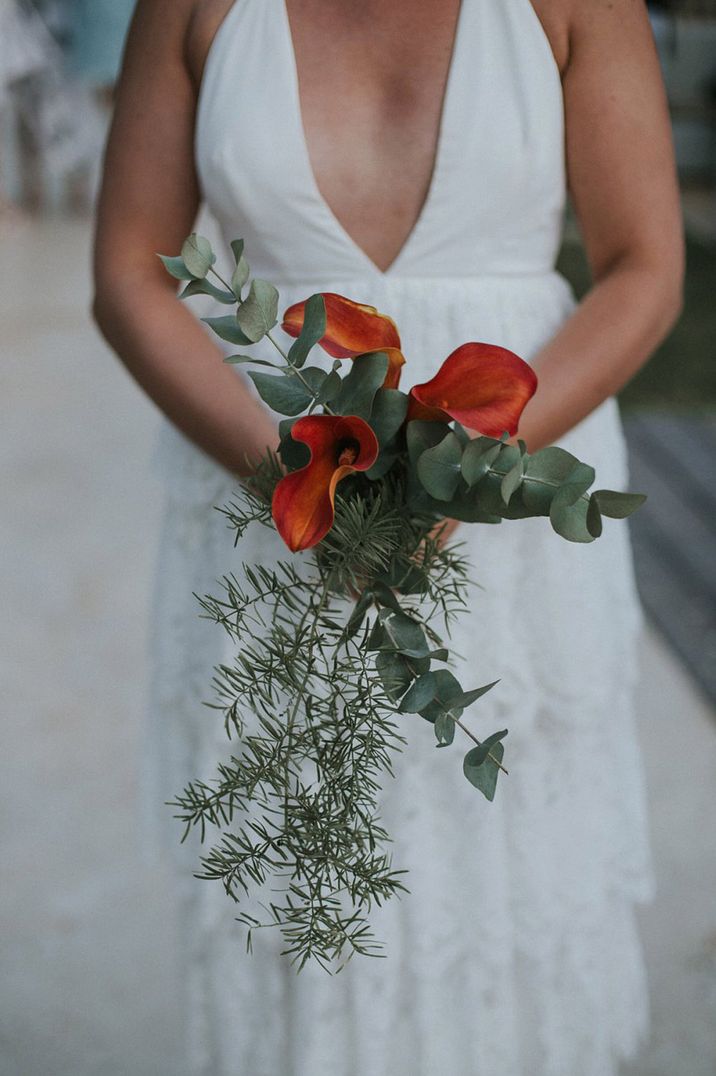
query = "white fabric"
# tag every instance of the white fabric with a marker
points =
(515, 953)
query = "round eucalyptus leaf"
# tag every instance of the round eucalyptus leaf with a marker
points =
(423, 435)
(568, 514)
(388, 412)
(358, 389)
(483, 774)
(581, 476)
(282, 393)
(466, 698)
(461, 433)
(176, 267)
(405, 634)
(378, 638)
(294, 454)
(239, 277)
(226, 328)
(553, 464)
(478, 457)
(240, 360)
(394, 673)
(382, 465)
(384, 596)
(420, 694)
(313, 330)
(444, 729)
(445, 687)
(545, 472)
(506, 458)
(197, 255)
(511, 481)
(594, 518)
(204, 287)
(257, 313)
(617, 505)
(439, 468)
(329, 388)
(359, 613)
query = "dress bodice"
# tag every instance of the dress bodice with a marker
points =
(496, 198)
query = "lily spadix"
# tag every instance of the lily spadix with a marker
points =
(303, 501)
(482, 386)
(353, 329)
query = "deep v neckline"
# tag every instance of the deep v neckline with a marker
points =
(438, 166)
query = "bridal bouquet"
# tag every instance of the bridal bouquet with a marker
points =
(338, 643)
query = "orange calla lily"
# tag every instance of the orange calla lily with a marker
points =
(353, 329)
(484, 387)
(303, 501)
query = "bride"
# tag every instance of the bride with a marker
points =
(415, 155)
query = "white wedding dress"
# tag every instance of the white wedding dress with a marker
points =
(515, 953)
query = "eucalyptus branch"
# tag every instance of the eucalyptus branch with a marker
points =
(220, 278)
(296, 372)
(334, 652)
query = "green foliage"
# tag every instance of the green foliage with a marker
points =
(332, 651)
(205, 287)
(312, 699)
(197, 255)
(257, 313)
(176, 267)
(314, 328)
(365, 376)
(439, 468)
(228, 329)
(617, 505)
(482, 764)
(239, 277)
(477, 458)
(484, 480)
(289, 394)
(387, 415)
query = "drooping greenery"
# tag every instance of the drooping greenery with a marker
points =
(334, 647)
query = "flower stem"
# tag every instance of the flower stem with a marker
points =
(492, 758)
(297, 372)
(221, 280)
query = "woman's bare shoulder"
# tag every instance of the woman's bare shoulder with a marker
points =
(177, 31)
(568, 23)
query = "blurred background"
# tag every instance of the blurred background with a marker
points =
(86, 925)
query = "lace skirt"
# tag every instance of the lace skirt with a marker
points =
(515, 952)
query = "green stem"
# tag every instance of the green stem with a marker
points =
(537, 481)
(464, 728)
(221, 280)
(290, 720)
(278, 347)
(297, 372)
(475, 739)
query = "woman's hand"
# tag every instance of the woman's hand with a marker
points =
(444, 531)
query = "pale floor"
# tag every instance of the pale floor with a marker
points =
(87, 985)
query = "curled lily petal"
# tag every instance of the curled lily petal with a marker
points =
(303, 501)
(352, 329)
(396, 359)
(484, 387)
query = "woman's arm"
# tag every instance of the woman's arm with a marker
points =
(148, 204)
(623, 185)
